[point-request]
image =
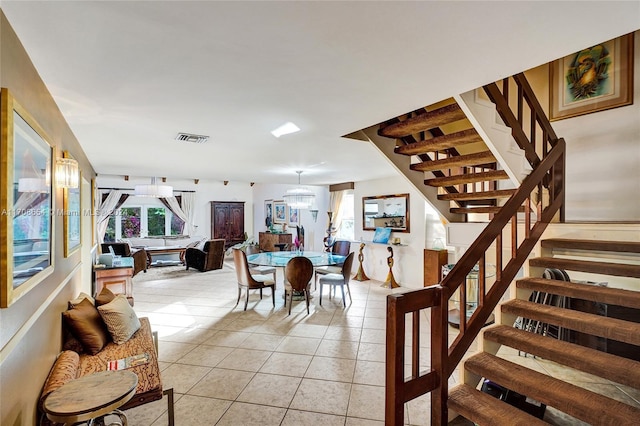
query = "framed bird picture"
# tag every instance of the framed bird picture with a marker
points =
(594, 79)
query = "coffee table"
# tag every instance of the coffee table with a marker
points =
(164, 250)
(91, 397)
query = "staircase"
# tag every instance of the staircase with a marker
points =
(441, 140)
(577, 402)
(438, 146)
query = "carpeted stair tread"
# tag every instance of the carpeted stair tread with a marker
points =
(474, 159)
(481, 195)
(425, 121)
(595, 245)
(481, 209)
(440, 143)
(467, 178)
(573, 400)
(610, 328)
(603, 268)
(484, 409)
(594, 293)
(611, 367)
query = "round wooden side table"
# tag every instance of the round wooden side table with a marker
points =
(91, 397)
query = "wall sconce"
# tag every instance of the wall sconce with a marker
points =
(314, 214)
(67, 172)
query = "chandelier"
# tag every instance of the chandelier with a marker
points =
(153, 190)
(299, 197)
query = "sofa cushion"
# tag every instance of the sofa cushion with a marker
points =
(104, 297)
(86, 325)
(120, 318)
(64, 370)
(80, 298)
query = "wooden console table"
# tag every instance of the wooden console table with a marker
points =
(434, 260)
(268, 240)
(116, 278)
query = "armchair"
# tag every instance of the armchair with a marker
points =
(125, 250)
(209, 258)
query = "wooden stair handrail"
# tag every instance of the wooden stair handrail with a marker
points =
(470, 258)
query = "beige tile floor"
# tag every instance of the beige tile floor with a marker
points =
(261, 366)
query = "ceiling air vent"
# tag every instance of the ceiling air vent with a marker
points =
(190, 137)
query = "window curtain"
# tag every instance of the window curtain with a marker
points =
(185, 215)
(111, 202)
(189, 209)
(335, 203)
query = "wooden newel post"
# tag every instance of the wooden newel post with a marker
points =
(360, 275)
(391, 281)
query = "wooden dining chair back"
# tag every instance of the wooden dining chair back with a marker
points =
(342, 279)
(341, 247)
(248, 281)
(298, 274)
(258, 269)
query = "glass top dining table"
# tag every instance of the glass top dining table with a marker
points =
(281, 258)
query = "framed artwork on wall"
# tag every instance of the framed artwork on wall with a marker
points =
(279, 212)
(293, 215)
(72, 217)
(26, 248)
(594, 79)
(268, 213)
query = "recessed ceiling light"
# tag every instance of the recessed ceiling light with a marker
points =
(285, 129)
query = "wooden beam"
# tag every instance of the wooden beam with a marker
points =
(341, 186)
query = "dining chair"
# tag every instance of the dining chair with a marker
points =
(248, 281)
(340, 247)
(297, 275)
(257, 269)
(341, 279)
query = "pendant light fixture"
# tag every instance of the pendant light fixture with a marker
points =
(153, 190)
(299, 197)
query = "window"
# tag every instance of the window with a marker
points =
(156, 221)
(347, 226)
(152, 219)
(130, 222)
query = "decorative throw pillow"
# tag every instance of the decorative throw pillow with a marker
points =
(104, 297)
(80, 298)
(120, 318)
(86, 325)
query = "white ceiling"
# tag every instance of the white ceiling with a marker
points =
(128, 76)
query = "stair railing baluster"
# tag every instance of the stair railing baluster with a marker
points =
(514, 235)
(527, 218)
(481, 281)
(415, 350)
(499, 257)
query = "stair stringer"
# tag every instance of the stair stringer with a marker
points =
(496, 135)
(401, 163)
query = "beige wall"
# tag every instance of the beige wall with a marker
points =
(30, 327)
(603, 155)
